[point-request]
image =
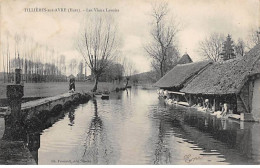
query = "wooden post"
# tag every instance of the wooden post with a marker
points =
(187, 99)
(177, 98)
(190, 100)
(13, 124)
(244, 103)
(214, 105)
(250, 95)
(217, 104)
(17, 76)
(14, 95)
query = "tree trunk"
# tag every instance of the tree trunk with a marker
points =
(126, 83)
(161, 69)
(95, 85)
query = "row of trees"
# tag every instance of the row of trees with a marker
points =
(38, 62)
(218, 48)
(162, 47)
(118, 71)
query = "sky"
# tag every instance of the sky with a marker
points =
(198, 18)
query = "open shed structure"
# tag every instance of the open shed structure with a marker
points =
(178, 77)
(235, 82)
(231, 86)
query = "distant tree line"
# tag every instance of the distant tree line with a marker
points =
(114, 73)
(39, 63)
(217, 48)
(35, 72)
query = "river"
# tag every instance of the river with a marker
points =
(135, 127)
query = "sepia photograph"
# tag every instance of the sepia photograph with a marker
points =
(133, 82)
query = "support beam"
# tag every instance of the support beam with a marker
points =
(190, 100)
(187, 99)
(214, 105)
(179, 93)
(250, 94)
(243, 101)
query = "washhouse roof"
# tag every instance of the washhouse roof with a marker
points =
(180, 74)
(227, 77)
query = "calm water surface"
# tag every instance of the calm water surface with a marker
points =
(137, 128)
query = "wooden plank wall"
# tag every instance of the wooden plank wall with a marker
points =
(243, 100)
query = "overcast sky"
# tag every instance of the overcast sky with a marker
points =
(197, 17)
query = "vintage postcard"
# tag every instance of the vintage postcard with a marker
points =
(133, 82)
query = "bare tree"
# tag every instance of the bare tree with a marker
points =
(63, 64)
(168, 64)
(17, 50)
(240, 48)
(253, 38)
(3, 61)
(8, 62)
(98, 44)
(128, 70)
(72, 65)
(211, 47)
(163, 37)
(5, 52)
(35, 60)
(80, 74)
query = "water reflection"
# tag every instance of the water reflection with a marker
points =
(94, 137)
(14, 132)
(138, 128)
(97, 146)
(218, 140)
(33, 143)
(71, 117)
(238, 137)
(162, 152)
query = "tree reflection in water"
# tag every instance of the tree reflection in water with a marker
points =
(96, 150)
(71, 117)
(162, 152)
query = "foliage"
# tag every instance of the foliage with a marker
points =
(228, 49)
(114, 72)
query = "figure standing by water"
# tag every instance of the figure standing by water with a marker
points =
(72, 84)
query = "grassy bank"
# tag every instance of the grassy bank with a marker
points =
(56, 88)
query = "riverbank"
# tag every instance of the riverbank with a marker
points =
(105, 132)
(15, 152)
(203, 110)
(56, 88)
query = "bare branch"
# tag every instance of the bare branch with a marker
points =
(161, 48)
(98, 46)
(211, 46)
